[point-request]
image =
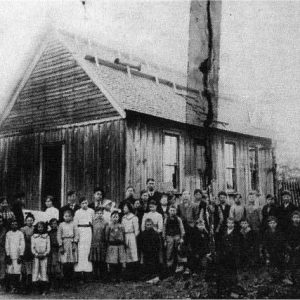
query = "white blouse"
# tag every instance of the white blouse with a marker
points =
(84, 216)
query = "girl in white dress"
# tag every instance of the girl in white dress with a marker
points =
(83, 219)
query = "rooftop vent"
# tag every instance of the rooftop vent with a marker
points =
(126, 64)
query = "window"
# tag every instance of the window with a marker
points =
(253, 161)
(200, 165)
(230, 162)
(171, 164)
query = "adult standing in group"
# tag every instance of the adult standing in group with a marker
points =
(17, 208)
(225, 208)
(98, 198)
(71, 205)
(153, 193)
(129, 197)
(285, 211)
(199, 200)
(83, 219)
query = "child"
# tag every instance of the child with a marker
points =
(248, 245)
(54, 269)
(116, 255)
(14, 248)
(28, 231)
(273, 247)
(67, 237)
(200, 248)
(2, 252)
(173, 234)
(51, 212)
(98, 247)
(237, 211)
(268, 210)
(253, 214)
(150, 248)
(293, 247)
(40, 248)
(6, 213)
(164, 206)
(83, 219)
(229, 257)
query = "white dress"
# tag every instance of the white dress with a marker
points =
(131, 225)
(82, 219)
(14, 248)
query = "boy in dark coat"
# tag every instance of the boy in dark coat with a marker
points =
(268, 210)
(247, 245)
(150, 247)
(293, 247)
(285, 211)
(273, 247)
(229, 257)
(200, 248)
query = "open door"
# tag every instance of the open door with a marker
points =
(52, 173)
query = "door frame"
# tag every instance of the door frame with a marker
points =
(63, 158)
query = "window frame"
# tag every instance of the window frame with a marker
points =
(229, 142)
(255, 147)
(177, 136)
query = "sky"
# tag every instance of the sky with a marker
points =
(260, 43)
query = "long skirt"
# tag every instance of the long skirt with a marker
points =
(39, 270)
(131, 248)
(69, 256)
(14, 268)
(84, 246)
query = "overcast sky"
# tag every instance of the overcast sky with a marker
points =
(260, 43)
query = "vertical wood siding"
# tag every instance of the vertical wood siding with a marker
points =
(94, 155)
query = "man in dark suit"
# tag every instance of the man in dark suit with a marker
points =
(225, 207)
(72, 205)
(153, 194)
(99, 197)
(285, 211)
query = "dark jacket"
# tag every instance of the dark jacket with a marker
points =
(67, 207)
(247, 246)
(266, 212)
(225, 213)
(230, 248)
(18, 212)
(150, 245)
(200, 243)
(293, 238)
(284, 216)
(156, 197)
(274, 244)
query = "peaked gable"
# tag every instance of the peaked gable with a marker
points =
(58, 92)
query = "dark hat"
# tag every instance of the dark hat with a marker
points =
(286, 192)
(296, 212)
(272, 218)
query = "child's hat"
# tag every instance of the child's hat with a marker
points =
(272, 218)
(296, 212)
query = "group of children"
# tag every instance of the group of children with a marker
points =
(149, 238)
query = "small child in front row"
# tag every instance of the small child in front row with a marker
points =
(28, 231)
(247, 245)
(116, 255)
(40, 247)
(67, 237)
(150, 247)
(200, 248)
(173, 233)
(98, 247)
(14, 248)
(54, 269)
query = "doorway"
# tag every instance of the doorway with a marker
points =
(52, 157)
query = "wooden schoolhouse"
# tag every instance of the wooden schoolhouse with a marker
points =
(83, 117)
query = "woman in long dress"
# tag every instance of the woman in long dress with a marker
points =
(83, 219)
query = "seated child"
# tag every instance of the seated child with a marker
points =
(40, 247)
(200, 248)
(54, 268)
(14, 248)
(173, 234)
(150, 247)
(247, 245)
(67, 238)
(116, 255)
(293, 247)
(98, 247)
(273, 247)
(28, 256)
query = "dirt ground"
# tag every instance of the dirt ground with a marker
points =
(251, 286)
